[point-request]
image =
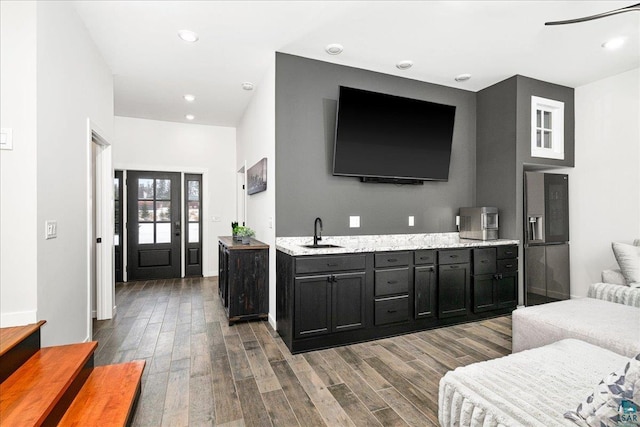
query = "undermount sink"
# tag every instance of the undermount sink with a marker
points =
(321, 246)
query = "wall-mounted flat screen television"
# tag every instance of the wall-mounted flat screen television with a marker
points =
(387, 138)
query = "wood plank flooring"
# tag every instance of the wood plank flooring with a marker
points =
(202, 372)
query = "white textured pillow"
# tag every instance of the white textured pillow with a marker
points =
(628, 257)
(604, 407)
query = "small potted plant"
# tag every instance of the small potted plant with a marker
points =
(245, 233)
(234, 231)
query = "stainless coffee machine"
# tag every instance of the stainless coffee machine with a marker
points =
(479, 223)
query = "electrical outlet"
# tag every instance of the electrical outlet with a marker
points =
(50, 229)
(412, 221)
(270, 222)
(354, 222)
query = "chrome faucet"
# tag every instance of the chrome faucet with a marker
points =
(317, 236)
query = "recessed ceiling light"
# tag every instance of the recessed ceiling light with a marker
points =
(189, 117)
(189, 98)
(188, 36)
(404, 65)
(612, 44)
(462, 77)
(247, 86)
(334, 49)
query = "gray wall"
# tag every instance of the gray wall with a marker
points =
(306, 101)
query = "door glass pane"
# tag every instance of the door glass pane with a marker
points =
(163, 211)
(145, 233)
(194, 190)
(116, 240)
(163, 232)
(145, 210)
(116, 189)
(116, 214)
(163, 189)
(194, 232)
(194, 211)
(145, 188)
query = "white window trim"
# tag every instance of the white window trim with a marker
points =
(556, 108)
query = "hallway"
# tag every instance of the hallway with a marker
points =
(202, 372)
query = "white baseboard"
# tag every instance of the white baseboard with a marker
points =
(272, 321)
(18, 318)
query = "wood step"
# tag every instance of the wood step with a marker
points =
(108, 397)
(40, 391)
(17, 344)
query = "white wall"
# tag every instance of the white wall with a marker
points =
(178, 147)
(256, 140)
(605, 183)
(18, 167)
(73, 84)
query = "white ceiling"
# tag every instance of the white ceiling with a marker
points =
(492, 40)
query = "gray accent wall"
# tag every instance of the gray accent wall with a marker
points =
(306, 103)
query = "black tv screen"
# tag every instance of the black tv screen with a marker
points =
(386, 136)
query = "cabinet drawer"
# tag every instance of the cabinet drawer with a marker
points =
(484, 261)
(320, 264)
(456, 256)
(510, 251)
(424, 257)
(507, 265)
(391, 310)
(391, 259)
(390, 282)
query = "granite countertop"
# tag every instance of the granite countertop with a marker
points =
(382, 242)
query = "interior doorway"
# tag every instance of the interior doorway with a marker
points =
(100, 283)
(241, 196)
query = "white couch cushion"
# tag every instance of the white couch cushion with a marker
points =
(628, 257)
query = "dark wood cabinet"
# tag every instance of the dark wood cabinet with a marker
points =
(243, 279)
(329, 303)
(329, 300)
(454, 282)
(425, 291)
(312, 306)
(495, 278)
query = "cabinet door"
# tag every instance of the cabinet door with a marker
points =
(507, 290)
(312, 306)
(453, 290)
(425, 291)
(223, 278)
(348, 301)
(484, 298)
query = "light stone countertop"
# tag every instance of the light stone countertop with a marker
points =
(382, 243)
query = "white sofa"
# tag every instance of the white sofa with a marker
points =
(605, 324)
(532, 388)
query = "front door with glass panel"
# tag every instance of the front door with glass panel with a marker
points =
(153, 224)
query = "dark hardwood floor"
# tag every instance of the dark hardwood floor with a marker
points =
(200, 371)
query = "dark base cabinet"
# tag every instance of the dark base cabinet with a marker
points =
(329, 300)
(243, 279)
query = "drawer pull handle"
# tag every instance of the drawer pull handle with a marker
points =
(453, 256)
(484, 261)
(392, 311)
(424, 257)
(454, 266)
(508, 252)
(392, 282)
(332, 265)
(392, 260)
(509, 265)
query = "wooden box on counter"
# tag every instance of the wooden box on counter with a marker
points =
(243, 276)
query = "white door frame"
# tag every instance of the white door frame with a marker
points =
(105, 286)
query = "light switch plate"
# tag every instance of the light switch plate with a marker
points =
(50, 229)
(6, 139)
(354, 222)
(412, 221)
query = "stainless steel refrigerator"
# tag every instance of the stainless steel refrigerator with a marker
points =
(546, 237)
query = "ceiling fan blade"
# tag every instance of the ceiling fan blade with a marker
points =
(633, 7)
